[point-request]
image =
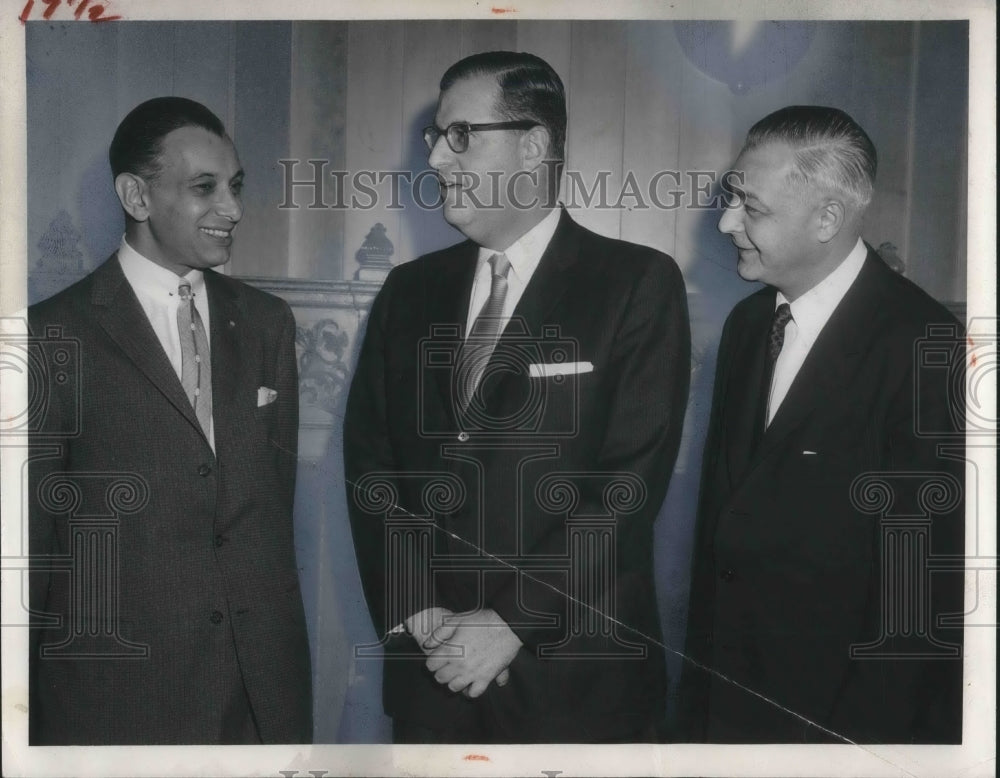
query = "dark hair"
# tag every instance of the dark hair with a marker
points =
(529, 89)
(138, 141)
(831, 150)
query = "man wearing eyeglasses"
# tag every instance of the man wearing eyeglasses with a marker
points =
(510, 433)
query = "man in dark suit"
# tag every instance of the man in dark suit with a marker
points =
(162, 483)
(832, 472)
(510, 433)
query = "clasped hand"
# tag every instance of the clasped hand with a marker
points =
(465, 651)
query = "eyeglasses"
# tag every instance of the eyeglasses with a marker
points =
(457, 133)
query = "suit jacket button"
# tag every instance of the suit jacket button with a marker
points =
(219, 540)
(216, 617)
(204, 470)
(463, 436)
(727, 575)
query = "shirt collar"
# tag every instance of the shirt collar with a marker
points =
(526, 252)
(152, 279)
(811, 310)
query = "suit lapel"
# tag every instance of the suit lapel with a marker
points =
(227, 321)
(448, 304)
(548, 285)
(119, 313)
(826, 370)
(550, 280)
(747, 361)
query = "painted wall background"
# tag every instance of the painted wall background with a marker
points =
(643, 97)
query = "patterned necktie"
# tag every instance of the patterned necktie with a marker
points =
(196, 366)
(775, 342)
(484, 333)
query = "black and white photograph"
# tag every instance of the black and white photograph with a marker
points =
(498, 389)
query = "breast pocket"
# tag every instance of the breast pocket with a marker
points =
(564, 401)
(264, 415)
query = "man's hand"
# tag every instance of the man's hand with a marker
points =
(422, 625)
(470, 650)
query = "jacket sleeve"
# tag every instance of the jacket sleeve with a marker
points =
(895, 694)
(372, 483)
(52, 421)
(714, 490)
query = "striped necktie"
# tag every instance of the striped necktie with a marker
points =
(196, 365)
(775, 342)
(484, 333)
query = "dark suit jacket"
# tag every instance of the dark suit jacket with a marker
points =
(789, 566)
(197, 588)
(619, 306)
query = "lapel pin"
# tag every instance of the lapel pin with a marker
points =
(232, 323)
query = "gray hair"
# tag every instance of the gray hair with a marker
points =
(832, 152)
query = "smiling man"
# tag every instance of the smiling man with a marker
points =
(184, 623)
(807, 621)
(537, 373)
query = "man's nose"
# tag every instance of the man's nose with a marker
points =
(441, 153)
(230, 205)
(732, 219)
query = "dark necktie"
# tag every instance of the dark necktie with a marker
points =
(196, 366)
(484, 333)
(775, 342)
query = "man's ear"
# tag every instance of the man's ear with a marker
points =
(832, 214)
(535, 147)
(132, 193)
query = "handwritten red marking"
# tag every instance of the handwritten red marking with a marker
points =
(973, 360)
(95, 13)
(971, 341)
(496, 10)
(476, 758)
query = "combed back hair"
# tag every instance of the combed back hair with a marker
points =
(832, 152)
(138, 141)
(529, 89)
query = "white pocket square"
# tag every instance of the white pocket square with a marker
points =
(545, 370)
(266, 396)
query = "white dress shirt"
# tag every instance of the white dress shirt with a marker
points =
(524, 255)
(156, 288)
(810, 313)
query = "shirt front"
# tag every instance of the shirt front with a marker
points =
(524, 255)
(810, 313)
(156, 289)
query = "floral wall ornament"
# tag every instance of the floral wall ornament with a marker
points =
(890, 255)
(323, 375)
(61, 261)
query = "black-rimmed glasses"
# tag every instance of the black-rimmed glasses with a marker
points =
(457, 133)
